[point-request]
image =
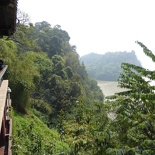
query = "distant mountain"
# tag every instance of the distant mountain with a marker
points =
(107, 67)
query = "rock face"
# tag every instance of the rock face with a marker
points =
(107, 67)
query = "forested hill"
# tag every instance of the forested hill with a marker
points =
(107, 67)
(48, 83)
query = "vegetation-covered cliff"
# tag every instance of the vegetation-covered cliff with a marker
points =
(107, 67)
(47, 82)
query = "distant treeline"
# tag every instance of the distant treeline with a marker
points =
(107, 67)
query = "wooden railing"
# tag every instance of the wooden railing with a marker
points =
(2, 73)
(5, 120)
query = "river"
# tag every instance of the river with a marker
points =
(109, 88)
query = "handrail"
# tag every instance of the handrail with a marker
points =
(3, 97)
(5, 120)
(2, 73)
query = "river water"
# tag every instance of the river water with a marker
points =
(109, 88)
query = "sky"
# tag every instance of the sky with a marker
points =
(100, 26)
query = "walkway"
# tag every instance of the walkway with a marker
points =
(5, 121)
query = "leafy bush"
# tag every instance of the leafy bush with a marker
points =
(32, 137)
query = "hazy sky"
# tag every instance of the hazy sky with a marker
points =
(99, 25)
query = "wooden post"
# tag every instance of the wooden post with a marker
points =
(2, 135)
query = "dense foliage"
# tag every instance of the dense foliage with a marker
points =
(59, 109)
(134, 126)
(31, 136)
(107, 67)
(47, 80)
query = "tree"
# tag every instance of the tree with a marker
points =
(85, 128)
(22, 18)
(21, 72)
(134, 124)
(53, 41)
